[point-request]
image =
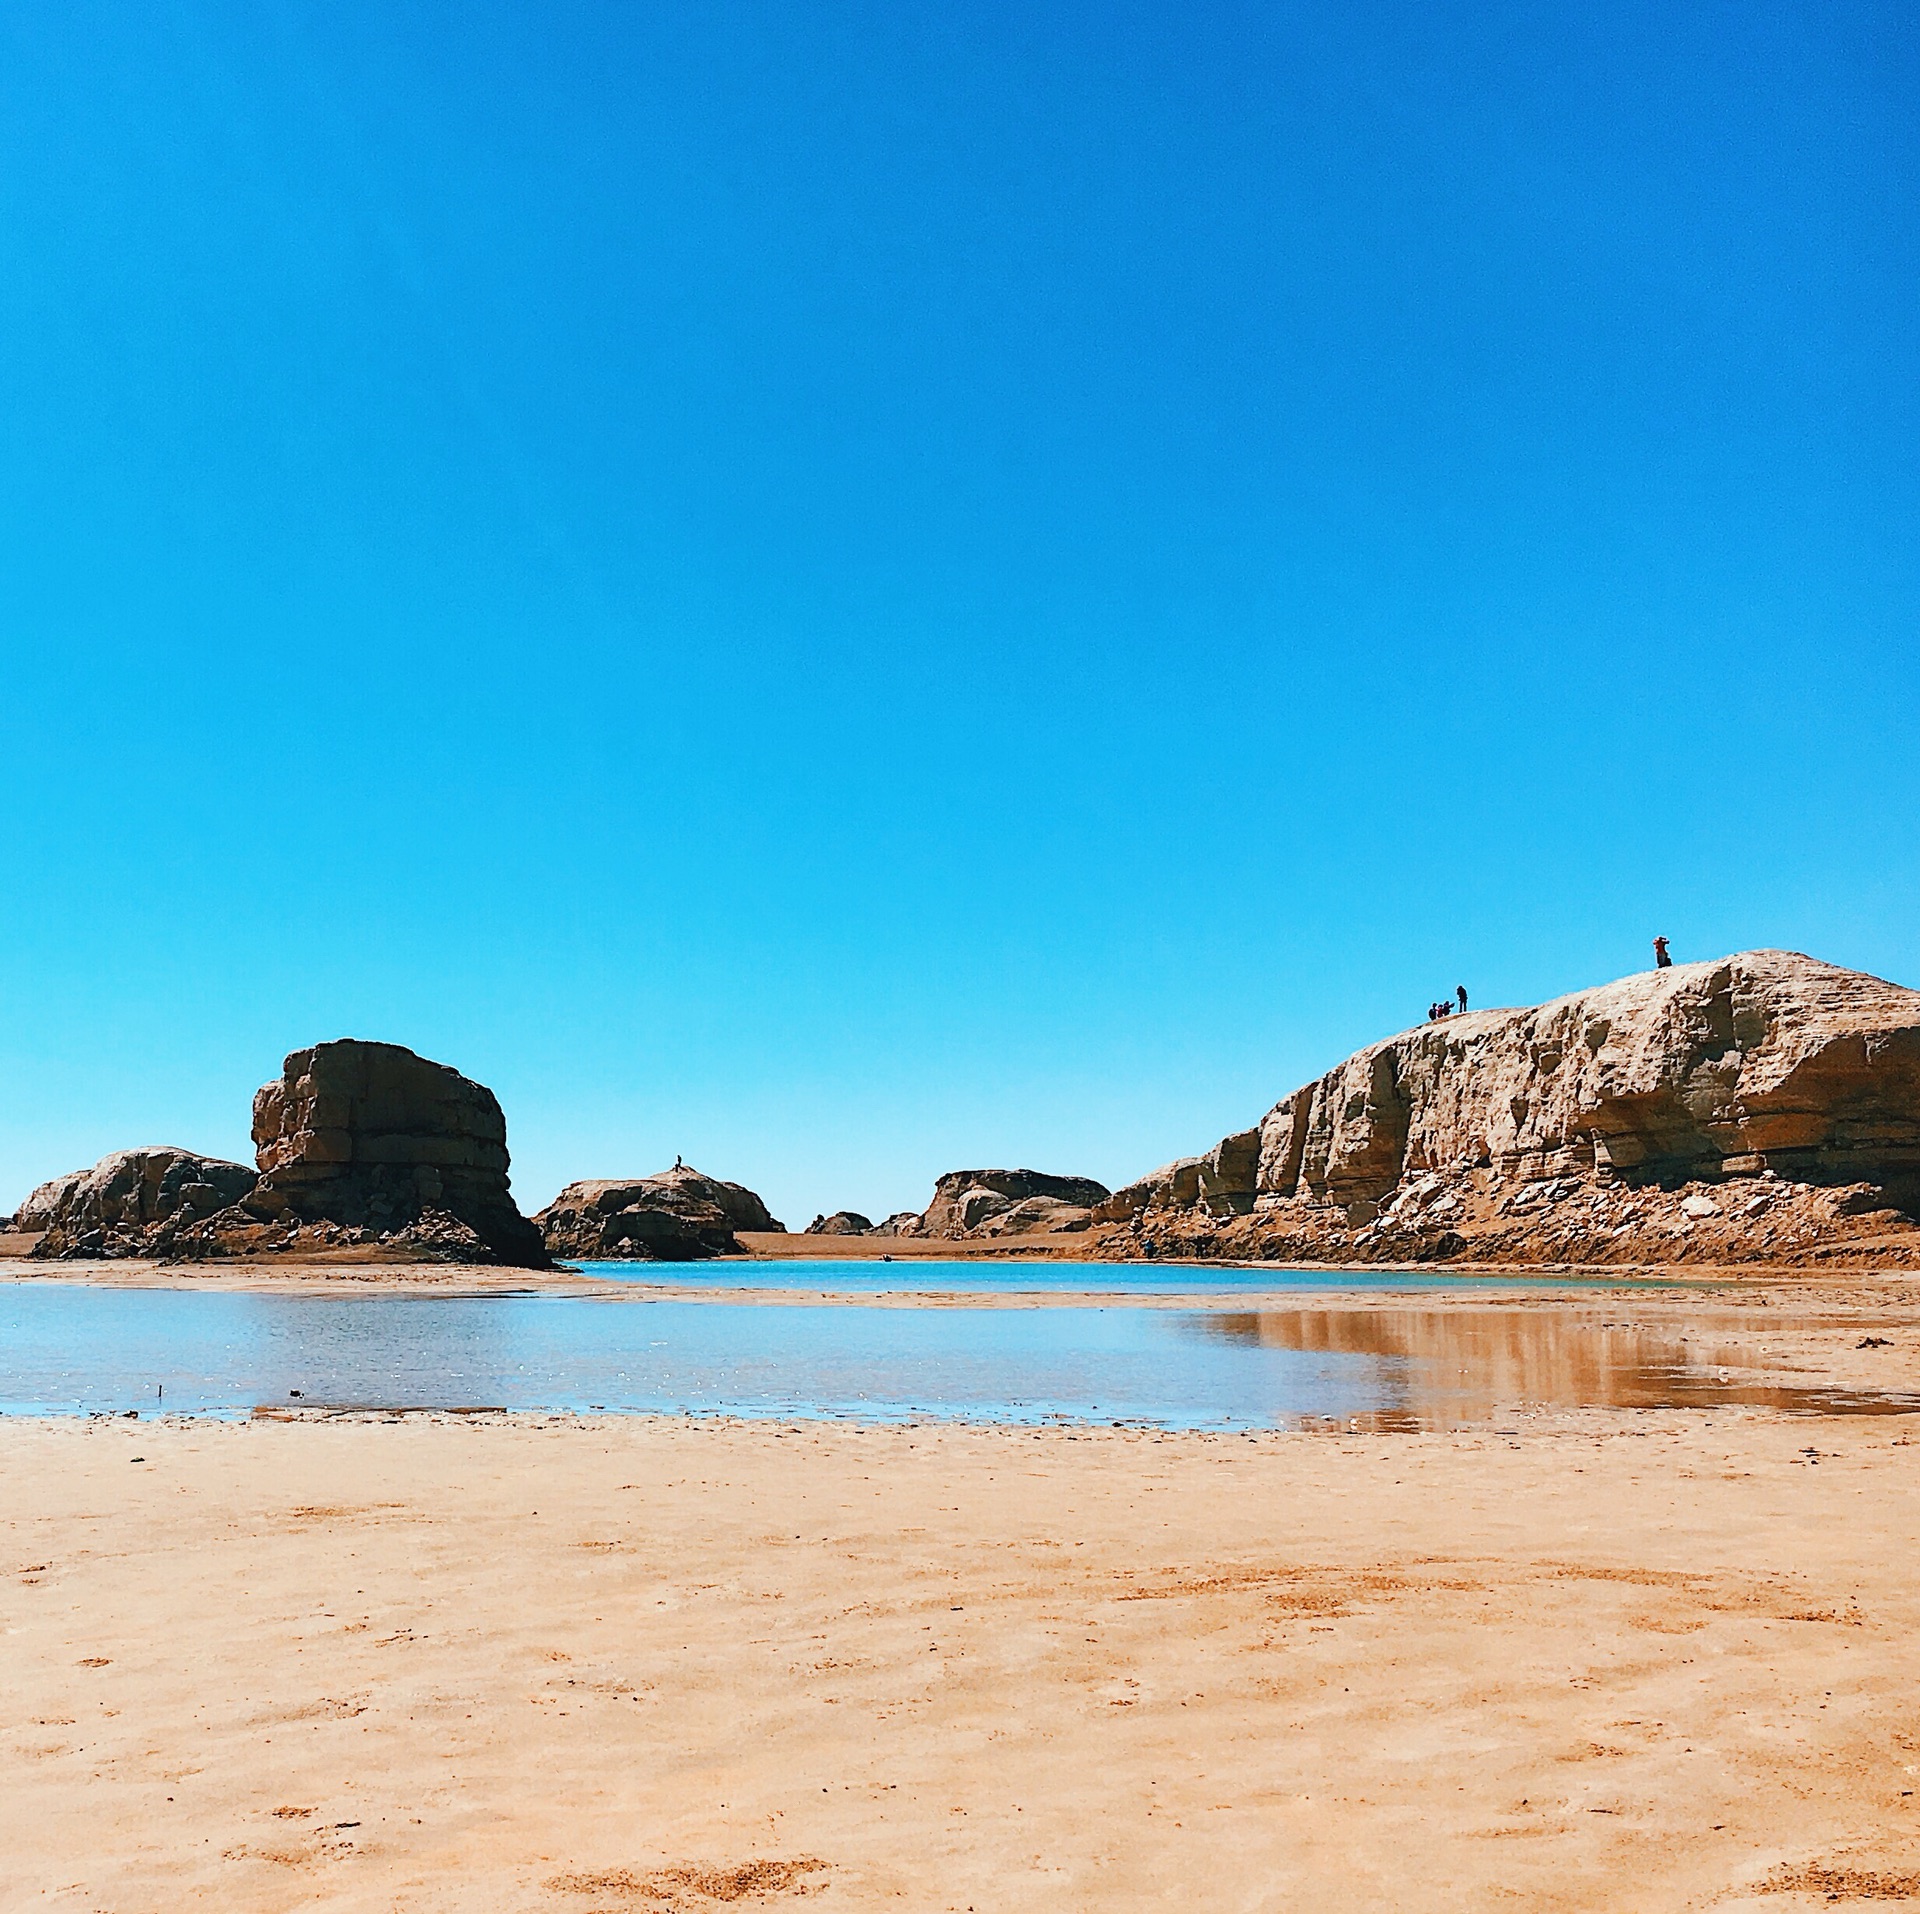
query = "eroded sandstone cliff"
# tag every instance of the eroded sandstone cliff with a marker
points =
(1768, 1068)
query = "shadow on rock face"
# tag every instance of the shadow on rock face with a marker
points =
(369, 1137)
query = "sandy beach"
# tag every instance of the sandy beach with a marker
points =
(1587, 1659)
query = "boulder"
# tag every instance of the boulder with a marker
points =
(132, 1203)
(391, 1147)
(900, 1223)
(840, 1223)
(675, 1216)
(1768, 1064)
(966, 1201)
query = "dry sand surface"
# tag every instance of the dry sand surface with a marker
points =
(1623, 1661)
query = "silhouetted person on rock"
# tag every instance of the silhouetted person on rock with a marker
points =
(1661, 961)
(1460, 991)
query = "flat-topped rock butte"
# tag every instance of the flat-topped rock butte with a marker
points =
(372, 1137)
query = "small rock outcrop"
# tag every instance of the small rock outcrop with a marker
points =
(973, 1203)
(674, 1216)
(1769, 1071)
(132, 1203)
(840, 1223)
(369, 1142)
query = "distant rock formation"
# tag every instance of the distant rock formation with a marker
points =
(840, 1223)
(674, 1216)
(374, 1140)
(1764, 1070)
(132, 1203)
(900, 1223)
(971, 1203)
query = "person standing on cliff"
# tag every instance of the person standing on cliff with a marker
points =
(1460, 991)
(1661, 961)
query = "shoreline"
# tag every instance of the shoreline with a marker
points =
(1834, 1348)
(1346, 1283)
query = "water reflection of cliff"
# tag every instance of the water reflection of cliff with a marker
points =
(1454, 1366)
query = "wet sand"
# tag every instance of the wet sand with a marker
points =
(1623, 1660)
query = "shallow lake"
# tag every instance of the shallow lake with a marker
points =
(69, 1348)
(833, 1277)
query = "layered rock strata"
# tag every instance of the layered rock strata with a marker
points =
(974, 1203)
(132, 1203)
(674, 1216)
(1794, 1080)
(370, 1140)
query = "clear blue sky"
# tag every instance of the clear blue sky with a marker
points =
(855, 589)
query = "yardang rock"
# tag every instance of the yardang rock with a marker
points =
(674, 1216)
(374, 1138)
(131, 1203)
(1009, 1202)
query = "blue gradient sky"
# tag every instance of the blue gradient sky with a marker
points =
(853, 589)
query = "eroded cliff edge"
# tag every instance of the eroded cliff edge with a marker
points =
(1756, 1104)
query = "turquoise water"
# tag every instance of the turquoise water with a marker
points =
(831, 1277)
(69, 1348)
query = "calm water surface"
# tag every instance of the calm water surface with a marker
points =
(831, 1277)
(69, 1348)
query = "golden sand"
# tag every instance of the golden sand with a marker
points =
(1621, 1660)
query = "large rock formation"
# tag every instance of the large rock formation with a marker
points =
(132, 1203)
(386, 1145)
(1768, 1066)
(674, 1216)
(1009, 1203)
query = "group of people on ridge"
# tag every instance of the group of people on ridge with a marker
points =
(1443, 1009)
